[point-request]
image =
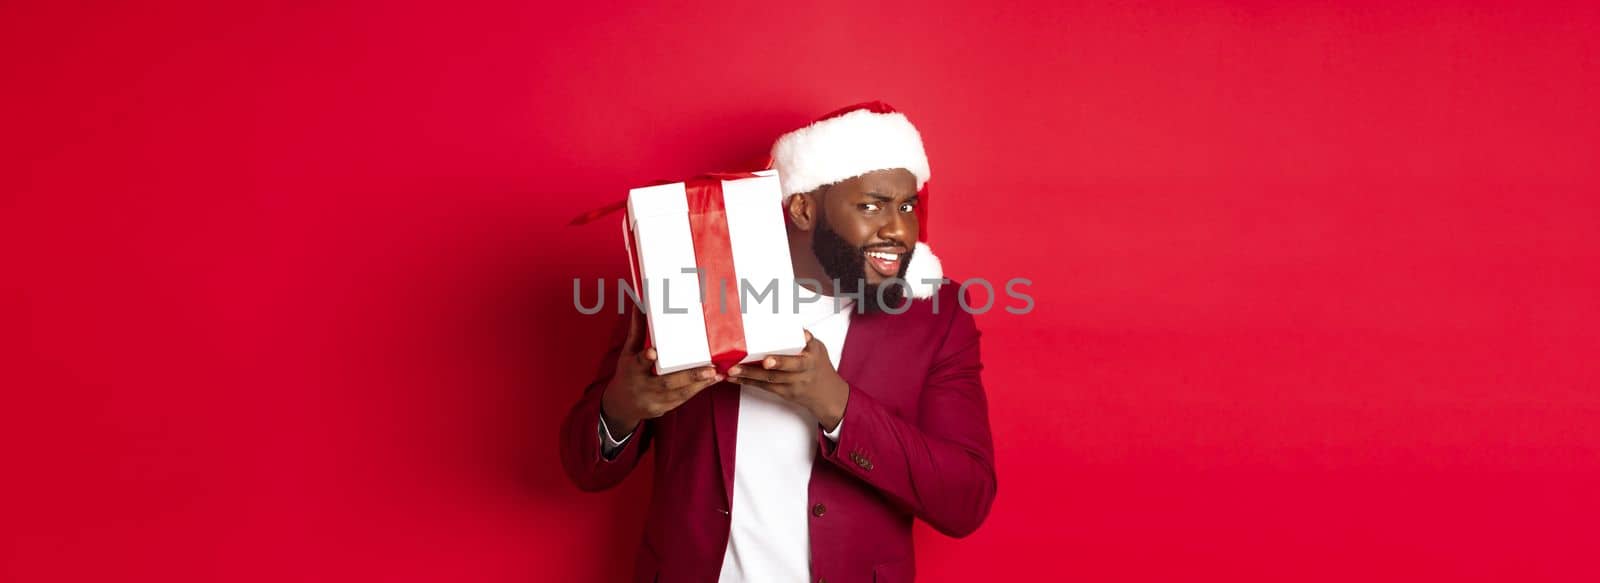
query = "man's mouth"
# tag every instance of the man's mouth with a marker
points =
(886, 263)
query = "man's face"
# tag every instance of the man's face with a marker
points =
(866, 230)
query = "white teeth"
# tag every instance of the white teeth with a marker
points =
(883, 256)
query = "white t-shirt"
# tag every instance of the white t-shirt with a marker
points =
(770, 536)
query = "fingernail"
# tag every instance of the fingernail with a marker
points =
(706, 374)
(720, 377)
(771, 362)
(735, 370)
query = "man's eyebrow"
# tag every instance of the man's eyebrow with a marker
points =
(881, 197)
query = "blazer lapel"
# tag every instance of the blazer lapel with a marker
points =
(725, 423)
(860, 341)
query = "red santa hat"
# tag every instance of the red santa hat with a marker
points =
(850, 142)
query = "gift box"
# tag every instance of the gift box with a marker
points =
(710, 259)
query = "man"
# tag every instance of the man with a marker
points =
(811, 467)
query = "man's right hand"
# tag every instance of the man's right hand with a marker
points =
(637, 393)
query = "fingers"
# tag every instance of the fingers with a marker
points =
(745, 372)
(673, 390)
(797, 363)
(784, 363)
(815, 346)
(636, 332)
(684, 378)
(678, 396)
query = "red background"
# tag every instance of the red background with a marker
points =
(287, 288)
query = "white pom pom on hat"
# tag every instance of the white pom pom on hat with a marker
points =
(847, 143)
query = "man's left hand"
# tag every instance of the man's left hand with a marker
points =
(806, 379)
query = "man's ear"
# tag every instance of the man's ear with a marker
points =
(803, 209)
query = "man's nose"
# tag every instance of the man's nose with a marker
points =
(897, 229)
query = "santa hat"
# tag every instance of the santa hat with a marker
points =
(850, 142)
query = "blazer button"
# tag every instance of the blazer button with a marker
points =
(819, 510)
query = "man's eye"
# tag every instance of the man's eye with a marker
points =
(870, 207)
(907, 207)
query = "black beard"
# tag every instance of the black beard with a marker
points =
(847, 265)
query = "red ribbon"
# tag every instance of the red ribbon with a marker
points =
(590, 216)
(713, 254)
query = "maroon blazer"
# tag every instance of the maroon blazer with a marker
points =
(915, 443)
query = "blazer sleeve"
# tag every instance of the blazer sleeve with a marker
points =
(581, 454)
(942, 468)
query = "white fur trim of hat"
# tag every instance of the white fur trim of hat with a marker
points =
(848, 143)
